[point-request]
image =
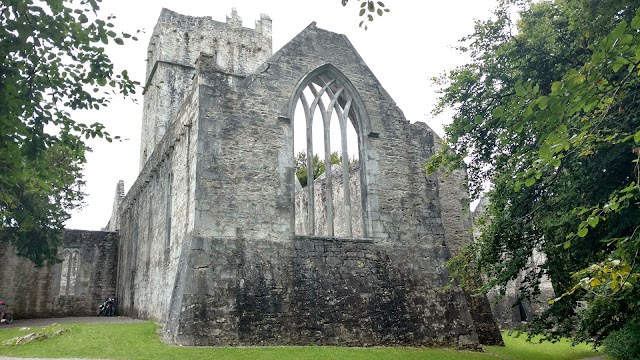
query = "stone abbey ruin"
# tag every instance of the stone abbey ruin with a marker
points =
(219, 242)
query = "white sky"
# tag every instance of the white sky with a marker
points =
(404, 48)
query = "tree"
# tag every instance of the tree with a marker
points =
(318, 166)
(546, 112)
(52, 62)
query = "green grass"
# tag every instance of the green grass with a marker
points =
(141, 341)
(520, 349)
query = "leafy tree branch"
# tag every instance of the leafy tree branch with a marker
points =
(546, 113)
(52, 61)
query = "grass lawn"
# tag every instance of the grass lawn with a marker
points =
(141, 341)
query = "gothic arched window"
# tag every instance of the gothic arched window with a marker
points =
(331, 131)
(69, 273)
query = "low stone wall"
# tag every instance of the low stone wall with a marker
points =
(73, 287)
(315, 290)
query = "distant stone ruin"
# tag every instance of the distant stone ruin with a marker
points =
(509, 306)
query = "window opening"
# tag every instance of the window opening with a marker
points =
(169, 210)
(64, 275)
(326, 145)
(73, 272)
(69, 273)
(522, 311)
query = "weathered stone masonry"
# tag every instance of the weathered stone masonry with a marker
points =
(207, 234)
(207, 231)
(74, 287)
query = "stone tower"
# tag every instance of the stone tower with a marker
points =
(175, 44)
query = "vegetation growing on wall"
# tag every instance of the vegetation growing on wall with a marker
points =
(318, 166)
(547, 112)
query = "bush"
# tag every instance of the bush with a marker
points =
(624, 344)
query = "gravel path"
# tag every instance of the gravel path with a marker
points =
(87, 319)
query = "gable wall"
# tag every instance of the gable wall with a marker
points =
(245, 279)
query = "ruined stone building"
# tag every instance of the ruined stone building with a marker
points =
(219, 243)
(510, 307)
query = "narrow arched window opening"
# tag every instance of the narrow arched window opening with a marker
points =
(326, 147)
(64, 274)
(69, 273)
(168, 211)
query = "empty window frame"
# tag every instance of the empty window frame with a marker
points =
(69, 273)
(327, 92)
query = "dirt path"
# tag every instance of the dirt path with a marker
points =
(87, 319)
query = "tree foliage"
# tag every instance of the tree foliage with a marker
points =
(318, 166)
(368, 9)
(52, 62)
(546, 112)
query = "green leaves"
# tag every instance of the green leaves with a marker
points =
(635, 23)
(547, 115)
(618, 63)
(520, 90)
(51, 62)
(544, 152)
(582, 232)
(498, 111)
(542, 102)
(318, 166)
(367, 8)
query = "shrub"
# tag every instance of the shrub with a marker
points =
(623, 344)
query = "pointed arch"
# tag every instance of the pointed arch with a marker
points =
(69, 271)
(64, 273)
(347, 104)
(360, 118)
(74, 268)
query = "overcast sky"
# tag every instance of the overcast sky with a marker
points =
(405, 48)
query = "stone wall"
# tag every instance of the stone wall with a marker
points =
(74, 287)
(456, 218)
(217, 261)
(156, 216)
(175, 45)
(319, 291)
(509, 307)
(301, 214)
(114, 220)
